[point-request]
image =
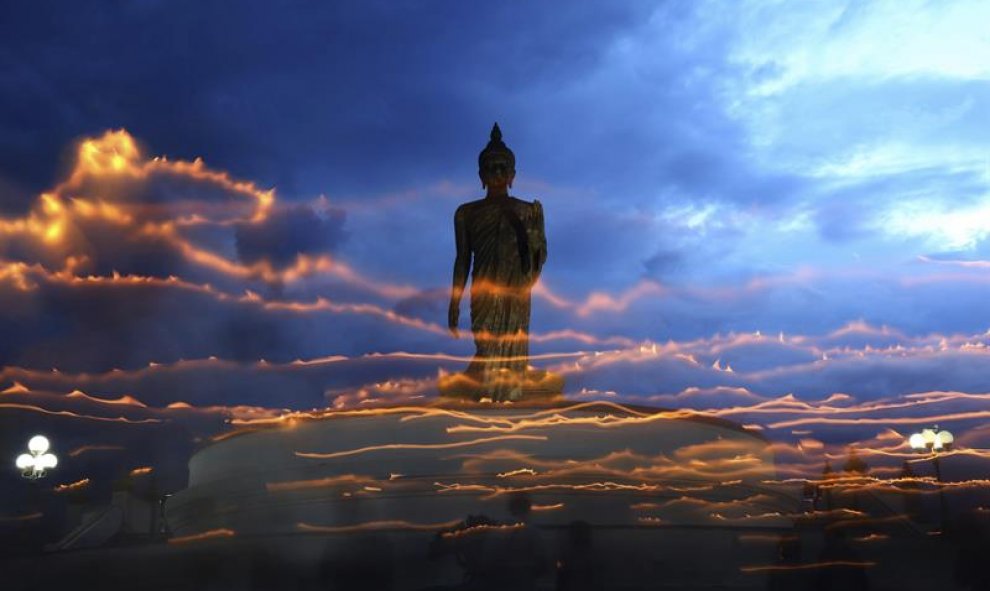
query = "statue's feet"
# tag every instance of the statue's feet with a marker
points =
(537, 384)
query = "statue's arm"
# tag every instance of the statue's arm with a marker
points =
(462, 265)
(539, 249)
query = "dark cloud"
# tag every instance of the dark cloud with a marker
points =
(429, 305)
(663, 263)
(276, 92)
(289, 232)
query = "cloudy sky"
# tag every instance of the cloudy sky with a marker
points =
(251, 209)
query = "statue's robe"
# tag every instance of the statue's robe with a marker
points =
(507, 245)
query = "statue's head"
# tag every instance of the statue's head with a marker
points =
(496, 163)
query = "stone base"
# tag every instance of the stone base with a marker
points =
(538, 384)
(378, 487)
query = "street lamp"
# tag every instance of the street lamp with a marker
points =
(933, 441)
(33, 465)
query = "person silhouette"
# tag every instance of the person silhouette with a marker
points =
(517, 555)
(576, 568)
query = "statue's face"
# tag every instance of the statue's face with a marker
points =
(497, 172)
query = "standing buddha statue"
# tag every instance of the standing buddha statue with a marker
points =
(501, 242)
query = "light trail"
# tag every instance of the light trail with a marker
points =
(557, 419)
(316, 483)
(492, 491)
(943, 418)
(482, 528)
(810, 566)
(65, 413)
(417, 446)
(21, 275)
(17, 388)
(387, 524)
(20, 518)
(206, 535)
(71, 486)
(598, 301)
(88, 448)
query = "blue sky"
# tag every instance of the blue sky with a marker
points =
(815, 172)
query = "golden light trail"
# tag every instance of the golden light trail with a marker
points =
(65, 413)
(115, 155)
(912, 456)
(757, 499)
(874, 537)
(518, 472)
(330, 414)
(316, 483)
(19, 518)
(491, 491)
(125, 400)
(598, 301)
(810, 566)
(419, 412)
(206, 535)
(383, 525)
(788, 404)
(17, 388)
(482, 528)
(907, 485)
(411, 446)
(140, 471)
(88, 448)
(943, 418)
(727, 470)
(18, 273)
(558, 418)
(71, 486)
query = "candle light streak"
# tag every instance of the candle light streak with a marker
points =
(212, 534)
(489, 492)
(942, 418)
(417, 446)
(65, 413)
(24, 277)
(72, 486)
(21, 518)
(482, 528)
(89, 448)
(873, 537)
(809, 566)
(17, 388)
(353, 480)
(383, 525)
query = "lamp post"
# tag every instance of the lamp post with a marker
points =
(33, 464)
(932, 441)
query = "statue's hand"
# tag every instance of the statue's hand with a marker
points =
(453, 318)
